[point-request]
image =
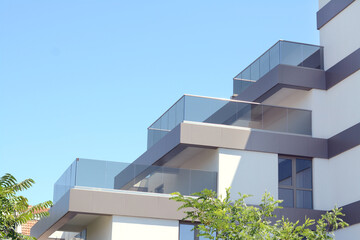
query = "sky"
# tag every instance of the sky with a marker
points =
(85, 78)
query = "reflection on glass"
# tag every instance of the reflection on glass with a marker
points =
(285, 172)
(255, 70)
(274, 55)
(297, 121)
(186, 232)
(246, 74)
(275, 118)
(265, 63)
(303, 173)
(304, 199)
(287, 195)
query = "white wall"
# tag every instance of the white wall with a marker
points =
(337, 181)
(341, 35)
(349, 233)
(206, 160)
(101, 228)
(126, 228)
(249, 173)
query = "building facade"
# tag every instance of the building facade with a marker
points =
(291, 127)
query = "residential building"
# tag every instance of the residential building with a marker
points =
(291, 128)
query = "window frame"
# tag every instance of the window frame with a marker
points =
(293, 179)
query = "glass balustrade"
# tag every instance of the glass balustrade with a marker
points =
(230, 112)
(283, 52)
(133, 177)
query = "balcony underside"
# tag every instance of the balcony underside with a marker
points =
(283, 76)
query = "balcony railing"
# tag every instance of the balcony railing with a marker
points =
(142, 178)
(230, 112)
(283, 52)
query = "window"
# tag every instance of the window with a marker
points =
(295, 182)
(186, 233)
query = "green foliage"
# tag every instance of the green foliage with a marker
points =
(222, 218)
(15, 210)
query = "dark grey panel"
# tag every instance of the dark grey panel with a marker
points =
(330, 10)
(343, 69)
(284, 76)
(344, 141)
(299, 214)
(352, 213)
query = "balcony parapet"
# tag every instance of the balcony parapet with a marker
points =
(291, 55)
(230, 112)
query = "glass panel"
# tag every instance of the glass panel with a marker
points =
(246, 74)
(255, 70)
(112, 170)
(304, 199)
(275, 119)
(176, 180)
(311, 56)
(236, 86)
(124, 179)
(285, 172)
(291, 54)
(164, 121)
(265, 63)
(203, 109)
(299, 121)
(287, 195)
(172, 117)
(274, 55)
(186, 232)
(180, 105)
(303, 173)
(197, 183)
(91, 173)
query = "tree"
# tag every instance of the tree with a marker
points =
(221, 218)
(15, 210)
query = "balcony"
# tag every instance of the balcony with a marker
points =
(143, 178)
(282, 53)
(230, 112)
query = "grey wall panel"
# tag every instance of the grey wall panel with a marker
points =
(352, 213)
(344, 141)
(330, 10)
(299, 214)
(343, 69)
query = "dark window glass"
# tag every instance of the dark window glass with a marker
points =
(285, 172)
(287, 195)
(295, 182)
(303, 173)
(304, 199)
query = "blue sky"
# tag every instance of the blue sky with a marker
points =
(85, 78)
